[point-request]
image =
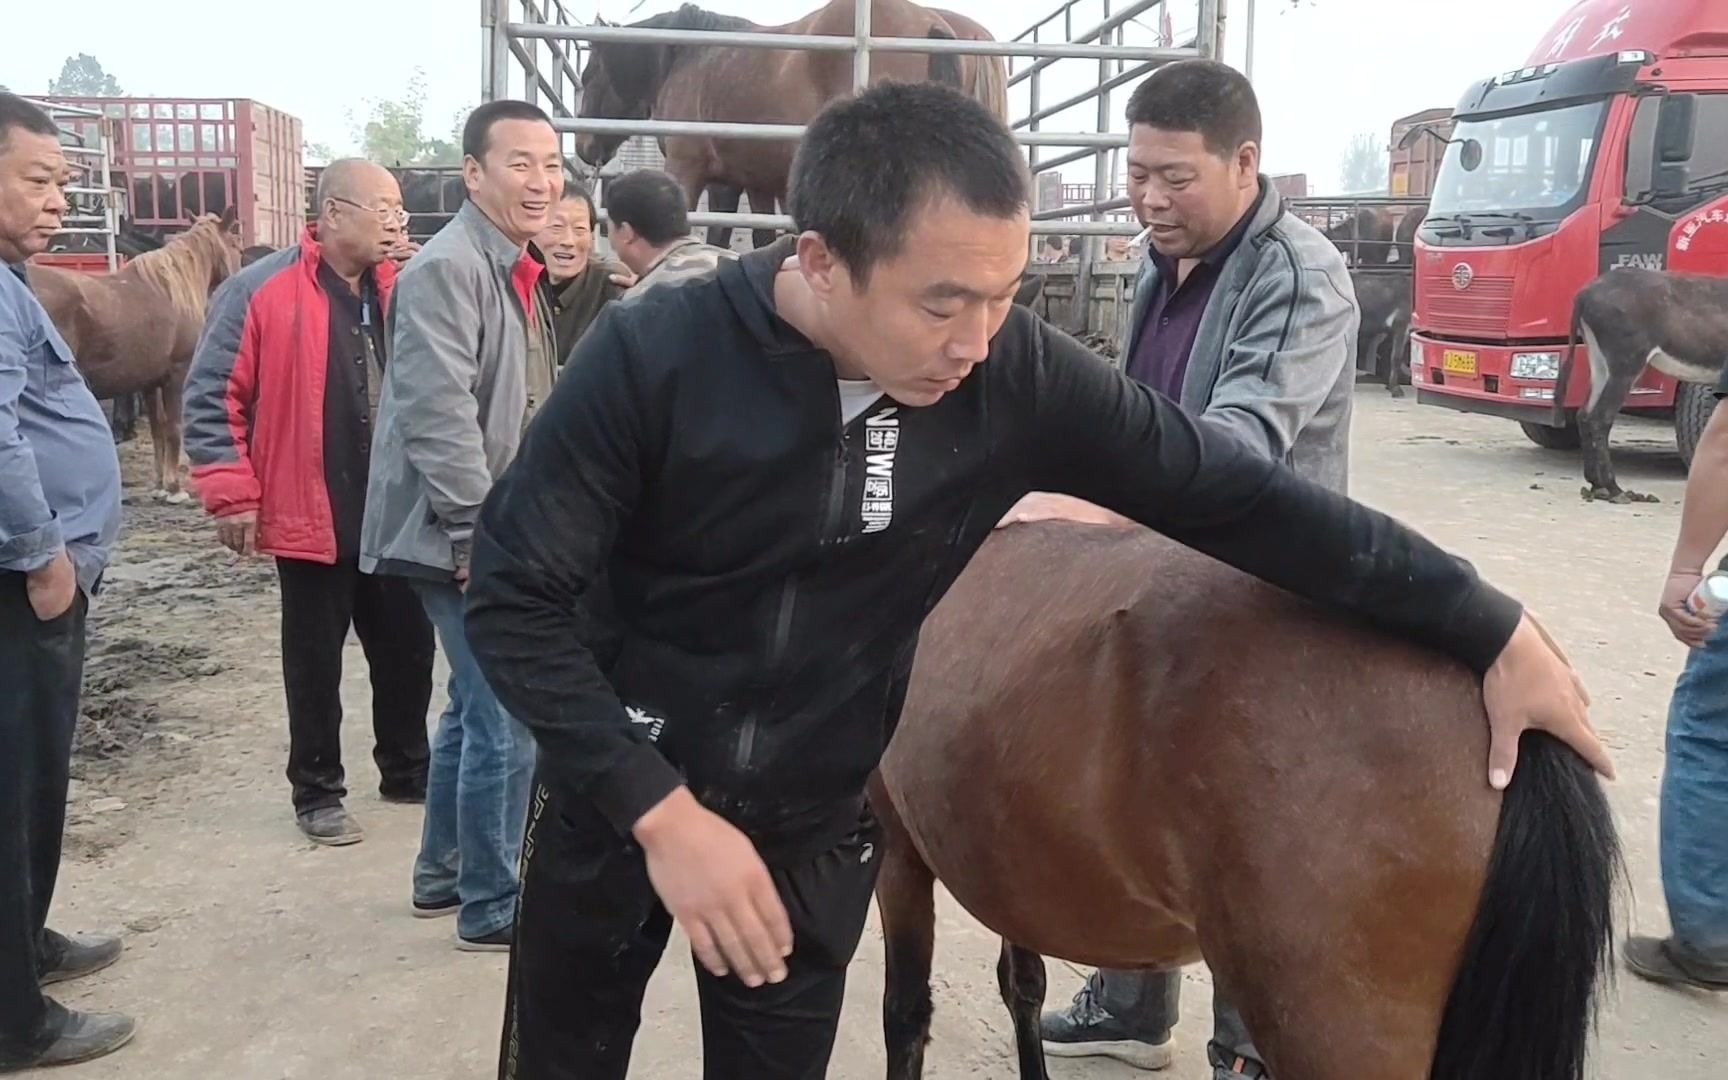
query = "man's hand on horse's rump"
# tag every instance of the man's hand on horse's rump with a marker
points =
(1051, 506)
(710, 878)
(1533, 686)
(239, 532)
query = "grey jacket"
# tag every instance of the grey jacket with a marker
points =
(464, 378)
(1274, 361)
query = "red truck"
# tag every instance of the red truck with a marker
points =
(176, 157)
(1608, 148)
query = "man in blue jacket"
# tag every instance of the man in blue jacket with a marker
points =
(59, 519)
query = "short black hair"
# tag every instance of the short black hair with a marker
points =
(1205, 96)
(576, 189)
(649, 201)
(15, 112)
(477, 129)
(868, 163)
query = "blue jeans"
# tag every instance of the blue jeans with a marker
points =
(1694, 831)
(476, 789)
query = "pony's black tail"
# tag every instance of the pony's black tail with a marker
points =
(1525, 999)
(945, 68)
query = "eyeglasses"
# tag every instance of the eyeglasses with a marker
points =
(388, 214)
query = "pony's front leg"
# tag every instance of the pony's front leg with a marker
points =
(1020, 975)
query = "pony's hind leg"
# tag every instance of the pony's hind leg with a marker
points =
(906, 902)
(158, 414)
(173, 410)
(1020, 974)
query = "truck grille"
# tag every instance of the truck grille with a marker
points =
(1482, 310)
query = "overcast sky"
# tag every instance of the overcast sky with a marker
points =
(1324, 72)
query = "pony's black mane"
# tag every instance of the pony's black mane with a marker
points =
(691, 17)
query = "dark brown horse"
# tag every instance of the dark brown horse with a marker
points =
(134, 331)
(1120, 752)
(717, 84)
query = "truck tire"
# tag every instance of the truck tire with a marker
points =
(1693, 404)
(1552, 438)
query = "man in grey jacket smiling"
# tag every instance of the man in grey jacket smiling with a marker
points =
(1245, 316)
(473, 359)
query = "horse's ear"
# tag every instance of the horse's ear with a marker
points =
(231, 220)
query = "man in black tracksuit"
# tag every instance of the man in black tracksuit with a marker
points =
(701, 582)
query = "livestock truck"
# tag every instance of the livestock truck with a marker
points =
(1608, 148)
(175, 158)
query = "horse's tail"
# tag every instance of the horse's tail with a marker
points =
(1525, 998)
(990, 85)
(945, 68)
(1567, 361)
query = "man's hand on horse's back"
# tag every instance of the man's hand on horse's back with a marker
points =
(239, 532)
(713, 882)
(1050, 506)
(1533, 686)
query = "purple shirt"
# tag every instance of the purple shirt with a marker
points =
(1165, 337)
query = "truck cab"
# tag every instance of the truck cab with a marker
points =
(1608, 149)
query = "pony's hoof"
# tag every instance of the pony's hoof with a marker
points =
(176, 498)
(160, 494)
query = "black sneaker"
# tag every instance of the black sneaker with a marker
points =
(1661, 960)
(497, 941)
(432, 909)
(1085, 1029)
(329, 825)
(82, 1037)
(76, 956)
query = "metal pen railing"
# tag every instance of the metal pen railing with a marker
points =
(97, 167)
(546, 21)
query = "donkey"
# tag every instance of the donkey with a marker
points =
(1629, 318)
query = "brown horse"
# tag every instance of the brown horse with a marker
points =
(134, 331)
(718, 84)
(1120, 752)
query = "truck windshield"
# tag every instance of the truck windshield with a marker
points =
(1530, 161)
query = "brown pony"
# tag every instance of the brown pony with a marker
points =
(134, 331)
(1120, 752)
(718, 84)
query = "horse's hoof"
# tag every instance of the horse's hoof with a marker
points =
(177, 498)
(160, 494)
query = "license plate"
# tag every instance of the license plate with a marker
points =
(1459, 362)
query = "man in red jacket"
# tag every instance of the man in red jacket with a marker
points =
(280, 407)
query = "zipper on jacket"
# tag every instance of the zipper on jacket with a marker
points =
(746, 744)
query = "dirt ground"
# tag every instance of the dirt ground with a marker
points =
(254, 955)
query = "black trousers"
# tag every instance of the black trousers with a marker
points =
(590, 931)
(41, 669)
(319, 603)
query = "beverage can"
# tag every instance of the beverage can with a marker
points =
(1710, 599)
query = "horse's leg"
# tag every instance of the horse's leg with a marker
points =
(723, 199)
(1020, 975)
(761, 202)
(173, 408)
(153, 407)
(906, 903)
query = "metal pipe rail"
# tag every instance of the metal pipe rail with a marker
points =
(1057, 213)
(784, 223)
(1109, 23)
(749, 39)
(715, 130)
(1128, 76)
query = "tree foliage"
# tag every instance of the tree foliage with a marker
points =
(84, 76)
(394, 132)
(1365, 166)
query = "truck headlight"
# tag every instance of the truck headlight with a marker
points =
(1536, 365)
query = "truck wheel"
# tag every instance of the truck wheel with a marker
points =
(1693, 404)
(1552, 438)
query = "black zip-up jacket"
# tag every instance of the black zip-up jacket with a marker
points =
(693, 574)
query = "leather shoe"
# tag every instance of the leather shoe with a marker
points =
(82, 1037)
(76, 956)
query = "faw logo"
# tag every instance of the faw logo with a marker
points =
(1645, 260)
